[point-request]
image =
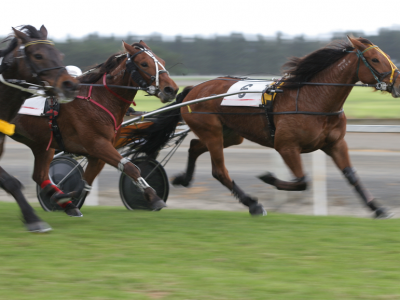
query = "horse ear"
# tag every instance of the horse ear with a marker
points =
(144, 44)
(350, 41)
(20, 35)
(43, 31)
(128, 48)
(357, 44)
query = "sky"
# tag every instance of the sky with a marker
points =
(207, 18)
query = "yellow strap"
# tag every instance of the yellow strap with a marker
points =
(392, 65)
(142, 118)
(47, 42)
(190, 111)
(7, 128)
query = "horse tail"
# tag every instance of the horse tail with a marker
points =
(153, 138)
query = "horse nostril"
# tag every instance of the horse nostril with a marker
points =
(169, 90)
(69, 85)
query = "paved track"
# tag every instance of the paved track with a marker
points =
(376, 157)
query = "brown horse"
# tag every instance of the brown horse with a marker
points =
(89, 124)
(307, 116)
(30, 59)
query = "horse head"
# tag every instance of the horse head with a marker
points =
(148, 71)
(38, 61)
(376, 66)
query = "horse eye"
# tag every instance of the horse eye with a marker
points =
(38, 56)
(144, 65)
(375, 60)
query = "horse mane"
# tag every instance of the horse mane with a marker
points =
(29, 30)
(303, 69)
(110, 64)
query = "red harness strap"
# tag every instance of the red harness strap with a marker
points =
(89, 98)
(114, 93)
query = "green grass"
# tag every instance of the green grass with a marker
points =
(362, 103)
(112, 253)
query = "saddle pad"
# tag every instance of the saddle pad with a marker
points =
(33, 106)
(246, 99)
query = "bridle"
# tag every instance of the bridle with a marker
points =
(36, 73)
(383, 86)
(133, 69)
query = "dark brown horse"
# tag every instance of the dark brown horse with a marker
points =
(89, 124)
(314, 121)
(29, 58)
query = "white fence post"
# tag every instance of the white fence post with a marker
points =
(281, 172)
(93, 198)
(319, 183)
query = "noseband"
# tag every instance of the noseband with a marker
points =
(133, 69)
(383, 86)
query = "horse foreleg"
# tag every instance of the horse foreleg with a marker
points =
(93, 169)
(40, 175)
(292, 159)
(12, 186)
(105, 151)
(340, 155)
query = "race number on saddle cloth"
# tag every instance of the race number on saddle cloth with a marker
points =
(246, 99)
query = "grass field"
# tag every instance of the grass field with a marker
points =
(112, 253)
(362, 103)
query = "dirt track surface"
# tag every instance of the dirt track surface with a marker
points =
(375, 156)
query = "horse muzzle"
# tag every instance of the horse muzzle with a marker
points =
(167, 94)
(396, 91)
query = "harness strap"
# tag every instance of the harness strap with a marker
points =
(89, 98)
(114, 93)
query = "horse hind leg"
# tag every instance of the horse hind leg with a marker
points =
(196, 149)
(292, 159)
(220, 173)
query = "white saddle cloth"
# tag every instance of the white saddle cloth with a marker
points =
(246, 99)
(33, 106)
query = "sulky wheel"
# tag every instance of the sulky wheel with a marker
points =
(154, 174)
(60, 167)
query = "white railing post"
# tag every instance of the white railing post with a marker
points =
(93, 198)
(319, 183)
(281, 172)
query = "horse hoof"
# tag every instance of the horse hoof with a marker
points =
(268, 178)
(257, 209)
(158, 205)
(38, 227)
(179, 180)
(383, 213)
(72, 211)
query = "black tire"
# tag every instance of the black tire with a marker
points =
(156, 177)
(59, 168)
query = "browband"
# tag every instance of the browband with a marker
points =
(47, 42)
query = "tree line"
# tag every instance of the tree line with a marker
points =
(221, 55)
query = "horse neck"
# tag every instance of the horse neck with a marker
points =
(332, 98)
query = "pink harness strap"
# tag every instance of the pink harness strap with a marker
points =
(89, 98)
(114, 93)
